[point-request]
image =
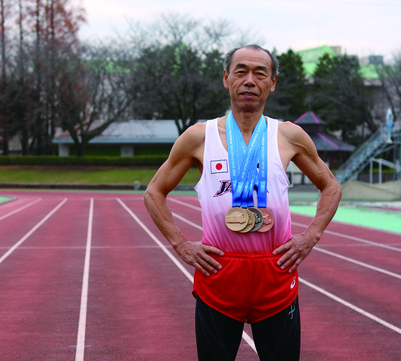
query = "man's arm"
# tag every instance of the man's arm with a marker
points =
(187, 150)
(301, 150)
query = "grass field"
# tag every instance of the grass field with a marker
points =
(82, 175)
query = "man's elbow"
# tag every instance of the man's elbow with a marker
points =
(148, 196)
(335, 189)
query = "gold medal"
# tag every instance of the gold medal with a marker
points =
(258, 218)
(237, 219)
(268, 220)
(251, 222)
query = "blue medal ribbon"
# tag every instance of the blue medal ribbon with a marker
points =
(243, 162)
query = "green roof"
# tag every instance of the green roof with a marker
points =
(310, 58)
(369, 71)
(312, 55)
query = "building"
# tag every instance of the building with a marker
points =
(332, 150)
(125, 139)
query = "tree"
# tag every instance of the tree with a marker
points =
(340, 97)
(390, 78)
(288, 100)
(180, 83)
(177, 66)
(43, 30)
(91, 92)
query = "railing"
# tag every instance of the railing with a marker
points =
(362, 156)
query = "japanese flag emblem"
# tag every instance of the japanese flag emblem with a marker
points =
(218, 166)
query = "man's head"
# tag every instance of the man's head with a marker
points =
(250, 75)
(274, 62)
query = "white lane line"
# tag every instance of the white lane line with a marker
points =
(156, 240)
(351, 306)
(185, 204)
(338, 299)
(305, 225)
(187, 221)
(79, 354)
(245, 336)
(20, 209)
(22, 240)
(381, 270)
(362, 264)
(357, 239)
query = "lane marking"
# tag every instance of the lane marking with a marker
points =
(351, 306)
(185, 204)
(79, 354)
(381, 270)
(23, 239)
(362, 264)
(187, 221)
(338, 299)
(20, 209)
(354, 238)
(156, 240)
(245, 336)
(305, 225)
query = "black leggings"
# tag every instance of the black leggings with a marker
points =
(218, 337)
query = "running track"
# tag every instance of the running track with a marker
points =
(88, 276)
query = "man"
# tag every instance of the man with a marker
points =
(245, 274)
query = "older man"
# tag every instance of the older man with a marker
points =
(246, 264)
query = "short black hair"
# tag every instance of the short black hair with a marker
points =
(229, 56)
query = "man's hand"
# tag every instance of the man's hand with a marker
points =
(294, 251)
(196, 254)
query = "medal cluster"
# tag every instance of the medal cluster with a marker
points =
(249, 219)
(248, 172)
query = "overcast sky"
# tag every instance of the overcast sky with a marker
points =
(361, 27)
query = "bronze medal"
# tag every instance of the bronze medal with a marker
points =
(237, 219)
(268, 220)
(251, 222)
(258, 218)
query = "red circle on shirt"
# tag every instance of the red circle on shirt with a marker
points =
(219, 166)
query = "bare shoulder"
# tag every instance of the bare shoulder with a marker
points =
(190, 143)
(294, 142)
(291, 132)
(195, 133)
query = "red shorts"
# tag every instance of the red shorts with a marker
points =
(249, 288)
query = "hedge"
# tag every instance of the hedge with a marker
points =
(84, 161)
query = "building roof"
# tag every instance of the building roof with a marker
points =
(165, 132)
(327, 143)
(132, 132)
(310, 58)
(314, 126)
(309, 118)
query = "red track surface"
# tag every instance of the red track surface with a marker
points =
(139, 304)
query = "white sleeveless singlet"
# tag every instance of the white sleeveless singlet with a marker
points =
(215, 197)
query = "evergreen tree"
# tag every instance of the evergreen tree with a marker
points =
(288, 100)
(340, 97)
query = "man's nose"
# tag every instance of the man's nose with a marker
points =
(250, 80)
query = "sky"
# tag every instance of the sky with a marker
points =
(360, 27)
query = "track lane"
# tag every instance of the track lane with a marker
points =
(137, 307)
(122, 322)
(389, 286)
(246, 352)
(40, 286)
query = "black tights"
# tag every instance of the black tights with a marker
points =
(276, 338)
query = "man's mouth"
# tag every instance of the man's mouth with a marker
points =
(248, 94)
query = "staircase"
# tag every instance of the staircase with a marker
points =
(375, 145)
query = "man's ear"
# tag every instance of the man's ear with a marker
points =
(273, 87)
(225, 76)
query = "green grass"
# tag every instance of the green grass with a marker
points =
(83, 175)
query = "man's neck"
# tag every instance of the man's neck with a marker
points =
(247, 122)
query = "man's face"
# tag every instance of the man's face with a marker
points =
(249, 80)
